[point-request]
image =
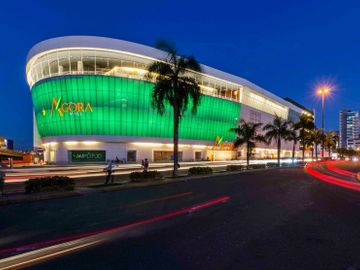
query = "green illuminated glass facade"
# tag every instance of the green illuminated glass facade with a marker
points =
(114, 106)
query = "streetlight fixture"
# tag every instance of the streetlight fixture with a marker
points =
(323, 91)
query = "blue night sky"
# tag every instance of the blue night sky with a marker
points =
(287, 47)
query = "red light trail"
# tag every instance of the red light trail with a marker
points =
(338, 170)
(331, 179)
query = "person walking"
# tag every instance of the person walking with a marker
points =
(109, 170)
(2, 183)
(143, 165)
(146, 165)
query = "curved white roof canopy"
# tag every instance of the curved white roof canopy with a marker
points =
(142, 50)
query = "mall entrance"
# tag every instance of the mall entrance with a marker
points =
(165, 156)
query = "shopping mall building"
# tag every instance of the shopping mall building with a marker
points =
(92, 103)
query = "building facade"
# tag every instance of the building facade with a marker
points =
(92, 103)
(349, 128)
(6, 143)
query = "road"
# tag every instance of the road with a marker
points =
(270, 219)
(78, 171)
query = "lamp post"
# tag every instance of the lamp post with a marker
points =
(322, 91)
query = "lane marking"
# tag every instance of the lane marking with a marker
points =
(175, 196)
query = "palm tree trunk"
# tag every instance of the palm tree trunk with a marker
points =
(329, 151)
(278, 151)
(293, 152)
(303, 147)
(176, 140)
(303, 152)
(247, 157)
(316, 154)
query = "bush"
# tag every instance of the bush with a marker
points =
(257, 166)
(287, 164)
(145, 176)
(271, 164)
(200, 170)
(49, 184)
(235, 167)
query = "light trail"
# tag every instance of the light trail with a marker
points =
(76, 242)
(22, 174)
(29, 258)
(331, 179)
(338, 170)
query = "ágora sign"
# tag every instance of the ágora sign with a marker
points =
(74, 108)
(220, 145)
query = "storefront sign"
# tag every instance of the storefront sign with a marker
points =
(87, 156)
(68, 107)
(220, 145)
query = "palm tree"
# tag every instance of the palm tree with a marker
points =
(174, 87)
(305, 124)
(247, 134)
(294, 138)
(315, 137)
(341, 152)
(330, 141)
(277, 131)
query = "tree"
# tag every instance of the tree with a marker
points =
(315, 137)
(276, 131)
(330, 141)
(175, 87)
(304, 125)
(247, 134)
(342, 152)
(294, 138)
(351, 152)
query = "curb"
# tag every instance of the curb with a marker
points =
(39, 197)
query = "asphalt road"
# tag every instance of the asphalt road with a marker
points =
(274, 219)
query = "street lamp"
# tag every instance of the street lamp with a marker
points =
(322, 91)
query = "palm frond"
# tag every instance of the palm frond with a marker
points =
(161, 95)
(169, 48)
(159, 70)
(189, 89)
(239, 142)
(173, 85)
(189, 63)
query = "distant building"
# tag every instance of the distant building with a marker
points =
(6, 143)
(349, 127)
(353, 143)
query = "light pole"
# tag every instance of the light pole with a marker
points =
(324, 90)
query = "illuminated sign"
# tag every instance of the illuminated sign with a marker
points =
(68, 107)
(87, 156)
(218, 140)
(220, 145)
